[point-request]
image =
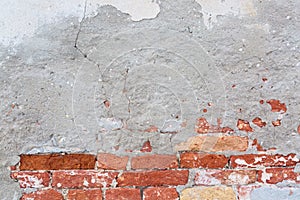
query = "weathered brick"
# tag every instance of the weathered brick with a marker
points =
(123, 194)
(202, 126)
(154, 162)
(255, 160)
(244, 125)
(160, 193)
(95, 194)
(57, 161)
(259, 122)
(111, 162)
(214, 144)
(208, 193)
(43, 195)
(277, 175)
(277, 106)
(28, 179)
(153, 178)
(225, 177)
(199, 160)
(82, 179)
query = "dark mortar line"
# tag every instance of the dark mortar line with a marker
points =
(80, 25)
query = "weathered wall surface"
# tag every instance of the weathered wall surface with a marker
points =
(108, 76)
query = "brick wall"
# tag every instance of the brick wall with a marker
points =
(185, 175)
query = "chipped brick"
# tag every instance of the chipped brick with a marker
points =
(259, 122)
(202, 126)
(146, 147)
(244, 125)
(277, 106)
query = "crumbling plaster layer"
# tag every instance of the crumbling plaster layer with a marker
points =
(170, 67)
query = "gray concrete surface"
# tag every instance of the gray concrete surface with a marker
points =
(158, 63)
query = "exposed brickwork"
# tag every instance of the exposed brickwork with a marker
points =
(196, 160)
(160, 193)
(57, 161)
(210, 171)
(123, 194)
(154, 162)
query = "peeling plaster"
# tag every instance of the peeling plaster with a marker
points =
(214, 8)
(28, 16)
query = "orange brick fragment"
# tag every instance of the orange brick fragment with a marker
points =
(244, 125)
(277, 106)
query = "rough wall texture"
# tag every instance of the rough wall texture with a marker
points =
(141, 78)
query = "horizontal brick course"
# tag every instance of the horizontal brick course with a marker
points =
(57, 161)
(154, 162)
(153, 178)
(82, 179)
(200, 160)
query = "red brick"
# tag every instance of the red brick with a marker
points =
(214, 144)
(82, 179)
(255, 160)
(85, 194)
(199, 160)
(28, 179)
(244, 125)
(154, 178)
(111, 162)
(203, 126)
(123, 194)
(225, 177)
(154, 162)
(57, 161)
(43, 195)
(277, 175)
(146, 147)
(259, 122)
(160, 193)
(277, 106)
